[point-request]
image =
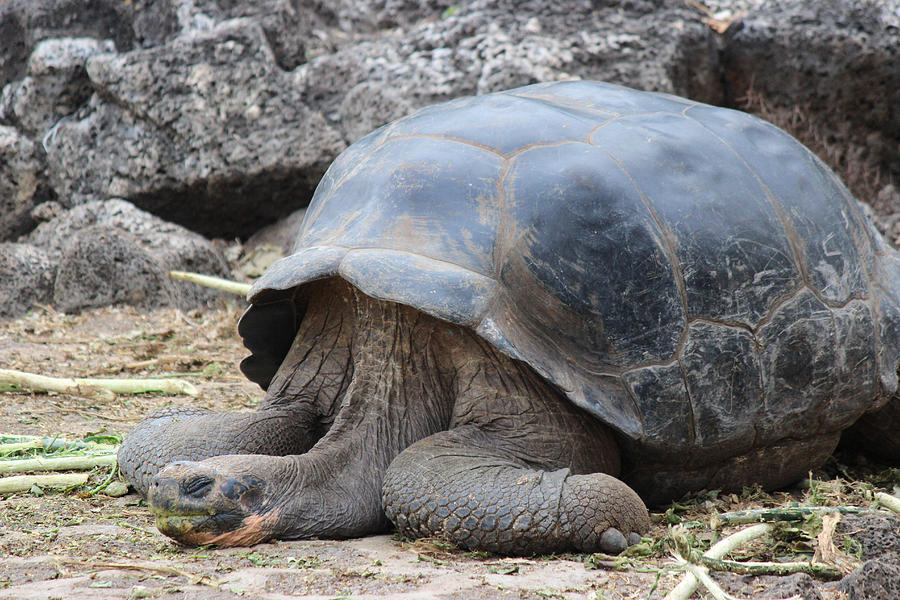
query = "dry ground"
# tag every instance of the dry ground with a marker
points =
(72, 545)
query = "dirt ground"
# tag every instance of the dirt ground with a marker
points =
(72, 545)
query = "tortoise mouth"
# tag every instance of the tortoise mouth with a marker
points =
(181, 527)
(184, 524)
(196, 503)
(219, 529)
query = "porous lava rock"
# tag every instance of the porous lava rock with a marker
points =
(222, 116)
(101, 253)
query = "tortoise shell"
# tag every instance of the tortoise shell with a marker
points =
(690, 275)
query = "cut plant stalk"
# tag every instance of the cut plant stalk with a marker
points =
(21, 381)
(888, 501)
(217, 283)
(20, 444)
(767, 515)
(23, 483)
(101, 389)
(770, 568)
(84, 462)
(719, 550)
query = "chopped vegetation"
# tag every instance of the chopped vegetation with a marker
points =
(104, 389)
(46, 531)
(218, 283)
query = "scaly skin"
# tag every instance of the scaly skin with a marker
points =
(187, 434)
(396, 386)
(451, 486)
(373, 391)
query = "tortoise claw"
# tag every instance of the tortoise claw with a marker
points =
(612, 541)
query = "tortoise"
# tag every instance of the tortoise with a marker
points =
(512, 320)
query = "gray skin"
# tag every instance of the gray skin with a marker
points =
(511, 320)
(427, 407)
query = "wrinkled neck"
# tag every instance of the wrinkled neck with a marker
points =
(350, 345)
(374, 374)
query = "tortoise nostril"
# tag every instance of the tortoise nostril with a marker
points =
(197, 487)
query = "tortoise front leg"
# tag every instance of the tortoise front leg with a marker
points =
(395, 396)
(301, 402)
(521, 470)
(459, 486)
(193, 434)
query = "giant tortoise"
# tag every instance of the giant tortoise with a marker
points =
(512, 319)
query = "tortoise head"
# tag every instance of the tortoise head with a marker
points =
(206, 503)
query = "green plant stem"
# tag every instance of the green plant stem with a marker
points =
(719, 550)
(23, 483)
(63, 463)
(112, 475)
(102, 389)
(770, 568)
(18, 444)
(794, 513)
(218, 283)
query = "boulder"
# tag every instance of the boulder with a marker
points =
(873, 534)
(23, 183)
(799, 586)
(24, 23)
(108, 252)
(221, 116)
(830, 73)
(205, 131)
(55, 84)
(877, 579)
(26, 278)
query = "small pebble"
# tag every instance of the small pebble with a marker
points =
(116, 489)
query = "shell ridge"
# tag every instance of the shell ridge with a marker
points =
(790, 233)
(668, 247)
(445, 138)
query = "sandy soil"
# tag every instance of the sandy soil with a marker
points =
(72, 545)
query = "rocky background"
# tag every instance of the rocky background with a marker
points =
(132, 133)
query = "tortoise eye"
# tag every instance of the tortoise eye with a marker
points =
(197, 487)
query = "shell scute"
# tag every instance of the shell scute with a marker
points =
(603, 97)
(589, 213)
(435, 196)
(497, 123)
(798, 359)
(730, 245)
(821, 218)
